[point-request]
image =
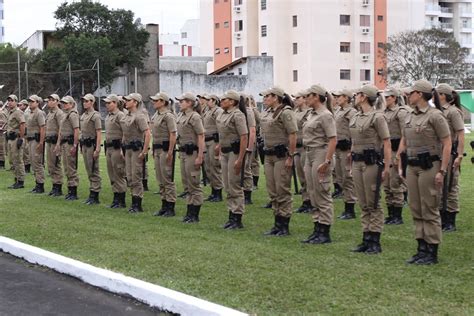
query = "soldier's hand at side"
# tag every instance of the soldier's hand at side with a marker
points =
(439, 179)
(237, 166)
(96, 154)
(457, 163)
(198, 162)
(169, 158)
(39, 148)
(73, 151)
(289, 163)
(322, 171)
(384, 174)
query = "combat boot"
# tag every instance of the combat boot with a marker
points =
(255, 182)
(212, 196)
(374, 244)
(349, 211)
(183, 194)
(420, 252)
(268, 205)
(39, 189)
(230, 220)
(145, 185)
(362, 247)
(389, 218)
(89, 199)
(136, 205)
(162, 211)
(314, 235)
(337, 191)
(431, 256)
(237, 222)
(397, 216)
(323, 236)
(94, 198)
(170, 210)
(35, 188)
(195, 210)
(276, 227)
(450, 222)
(121, 200)
(217, 196)
(11, 186)
(115, 201)
(248, 197)
(28, 168)
(57, 190)
(284, 226)
(187, 217)
(19, 185)
(2, 164)
(72, 195)
(305, 207)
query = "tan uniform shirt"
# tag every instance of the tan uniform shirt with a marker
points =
(395, 118)
(231, 125)
(36, 120)
(209, 120)
(53, 122)
(251, 121)
(319, 127)
(90, 123)
(256, 114)
(189, 126)
(368, 130)
(163, 123)
(15, 118)
(3, 119)
(301, 118)
(277, 125)
(455, 119)
(134, 125)
(423, 131)
(69, 123)
(113, 125)
(343, 117)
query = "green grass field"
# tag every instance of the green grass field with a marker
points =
(243, 269)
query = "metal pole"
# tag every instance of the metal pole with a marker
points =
(70, 79)
(26, 78)
(136, 79)
(19, 75)
(98, 84)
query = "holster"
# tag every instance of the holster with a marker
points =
(395, 144)
(344, 144)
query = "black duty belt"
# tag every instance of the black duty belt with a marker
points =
(164, 145)
(115, 144)
(214, 137)
(69, 140)
(35, 137)
(344, 144)
(415, 162)
(12, 135)
(189, 149)
(88, 142)
(53, 139)
(134, 145)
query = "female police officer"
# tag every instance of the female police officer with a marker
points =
(164, 140)
(319, 140)
(191, 147)
(427, 142)
(233, 135)
(279, 129)
(369, 132)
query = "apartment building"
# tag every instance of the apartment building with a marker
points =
(184, 44)
(2, 29)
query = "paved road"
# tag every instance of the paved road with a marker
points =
(27, 289)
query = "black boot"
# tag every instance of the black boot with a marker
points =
(162, 211)
(255, 182)
(35, 188)
(188, 215)
(362, 247)
(229, 221)
(268, 205)
(57, 190)
(420, 252)
(323, 236)
(139, 204)
(170, 210)
(405, 197)
(305, 207)
(237, 222)
(276, 227)
(211, 197)
(349, 211)
(121, 200)
(374, 244)
(450, 222)
(19, 185)
(195, 210)
(136, 205)
(389, 218)
(28, 168)
(115, 201)
(145, 185)
(217, 196)
(72, 195)
(337, 191)
(94, 198)
(2, 164)
(248, 197)
(89, 199)
(15, 181)
(183, 195)
(314, 235)
(444, 219)
(397, 216)
(431, 256)
(284, 228)
(39, 188)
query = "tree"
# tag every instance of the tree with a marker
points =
(432, 54)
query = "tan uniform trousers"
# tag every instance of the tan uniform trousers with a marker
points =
(453, 194)
(16, 158)
(163, 175)
(344, 170)
(92, 168)
(255, 163)
(8, 151)
(213, 166)
(300, 161)
(278, 185)
(69, 165)
(235, 193)
(192, 178)
(3, 148)
(26, 155)
(36, 159)
(116, 170)
(424, 198)
(183, 175)
(365, 178)
(248, 176)
(134, 171)
(319, 189)
(54, 164)
(394, 185)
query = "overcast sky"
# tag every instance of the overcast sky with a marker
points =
(24, 17)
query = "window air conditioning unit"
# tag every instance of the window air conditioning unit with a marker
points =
(365, 3)
(366, 31)
(238, 35)
(365, 57)
(237, 9)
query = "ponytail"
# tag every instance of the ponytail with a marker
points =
(287, 101)
(328, 100)
(196, 107)
(436, 99)
(455, 99)
(242, 106)
(380, 102)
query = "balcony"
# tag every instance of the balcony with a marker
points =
(432, 10)
(466, 13)
(465, 27)
(446, 26)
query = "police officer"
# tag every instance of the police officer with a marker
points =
(164, 129)
(343, 147)
(91, 139)
(136, 140)
(451, 108)
(254, 158)
(15, 138)
(67, 145)
(302, 113)
(3, 128)
(53, 122)
(369, 132)
(114, 123)
(279, 135)
(251, 125)
(319, 140)
(35, 127)
(145, 113)
(212, 163)
(23, 106)
(426, 138)
(394, 186)
(191, 147)
(233, 136)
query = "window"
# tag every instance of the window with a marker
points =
(217, 51)
(365, 75)
(216, 1)
(226, 24)
(264, 54)
(295, 20)
(295, 48)
(345, 74)
(184, 35)
(239, 51)
(345, 47)
(364, 47)
(263, 5)
(365, 20)
(381, 45)
(264, 30)
(344, 19)
(238, 2)
(176, 43)
(239, 25)
(216, 25)
(295, 75)
(226, 50)
(240, 71)
(380, 18)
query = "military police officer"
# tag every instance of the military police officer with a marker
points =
(35, 127)
(3, 125)
(15, 138)
(53, 123)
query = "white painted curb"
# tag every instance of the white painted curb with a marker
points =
(151, 294)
